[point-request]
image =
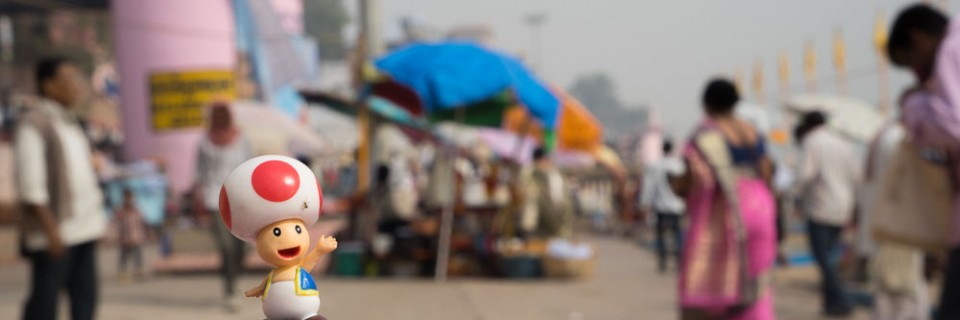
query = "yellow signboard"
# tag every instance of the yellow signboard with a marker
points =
(177, 99)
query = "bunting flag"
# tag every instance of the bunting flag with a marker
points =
(839, 52)
(738, 79)
(840, 61)
(880, 35)
(810, 65)
(783, 68)
(758, 80)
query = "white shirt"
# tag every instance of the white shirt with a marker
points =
(656, 193)
(214, 164)
(828, 177)
(88, 220)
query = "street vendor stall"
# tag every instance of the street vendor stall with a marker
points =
(448, 90)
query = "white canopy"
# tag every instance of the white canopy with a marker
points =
(854, 118)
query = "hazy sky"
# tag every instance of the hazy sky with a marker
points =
(660, 53)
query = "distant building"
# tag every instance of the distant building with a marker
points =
(618, 121)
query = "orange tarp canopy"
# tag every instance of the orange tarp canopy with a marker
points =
(577, 129)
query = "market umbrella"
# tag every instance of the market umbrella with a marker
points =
(454, 81)
(398, 94)
(854, 118)
(463, 75)
(486, 113)
(577, 128)
(387, 100)
(271, 131)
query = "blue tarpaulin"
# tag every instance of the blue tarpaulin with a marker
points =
(452, 75)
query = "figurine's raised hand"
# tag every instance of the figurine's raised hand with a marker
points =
(326, 244)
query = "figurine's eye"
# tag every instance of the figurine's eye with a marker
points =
(298, 229)
(276, 232)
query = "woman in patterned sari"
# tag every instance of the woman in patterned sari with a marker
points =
(731, 246)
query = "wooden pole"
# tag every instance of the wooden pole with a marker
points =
(446, 216)
(362, 53)
(446, 222)
(841, 83)
(363, 147)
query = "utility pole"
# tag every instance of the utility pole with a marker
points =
(369, 46)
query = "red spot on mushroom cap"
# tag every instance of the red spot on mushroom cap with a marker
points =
(275, 181)
(225, 208)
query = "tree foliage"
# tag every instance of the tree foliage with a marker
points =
(596, 90)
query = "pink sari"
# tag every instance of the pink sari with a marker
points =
(731, 243)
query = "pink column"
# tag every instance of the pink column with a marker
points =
(164, 36)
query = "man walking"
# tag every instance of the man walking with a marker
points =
(63, 214)
(828, 176)
(927, 42)
(658, 197)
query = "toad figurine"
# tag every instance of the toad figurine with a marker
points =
(271, 201)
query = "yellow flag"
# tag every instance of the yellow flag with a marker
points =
(809, 61)
(880, 34)
(839, 52)
(783, 68)
(758, 77)
(738, 79)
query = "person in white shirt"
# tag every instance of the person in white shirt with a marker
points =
(57, 187)
(658, 197)
(827, 182)
(896, 270)
(221, 150)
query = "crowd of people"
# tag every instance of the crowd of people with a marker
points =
(64, 183)
(715, 194)
(730, 244)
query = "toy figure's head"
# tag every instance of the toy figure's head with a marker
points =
(272, 200)
(283, 243)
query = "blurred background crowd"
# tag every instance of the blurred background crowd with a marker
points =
(448, 147)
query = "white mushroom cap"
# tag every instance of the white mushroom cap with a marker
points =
(268, 189)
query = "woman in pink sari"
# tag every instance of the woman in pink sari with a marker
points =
(731, 245)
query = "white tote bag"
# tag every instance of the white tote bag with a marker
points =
(914, 202)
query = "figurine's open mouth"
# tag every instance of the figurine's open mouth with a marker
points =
(289, 252)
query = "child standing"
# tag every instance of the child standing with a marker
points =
(129, 222)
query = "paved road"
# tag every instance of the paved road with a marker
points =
(625, 287)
